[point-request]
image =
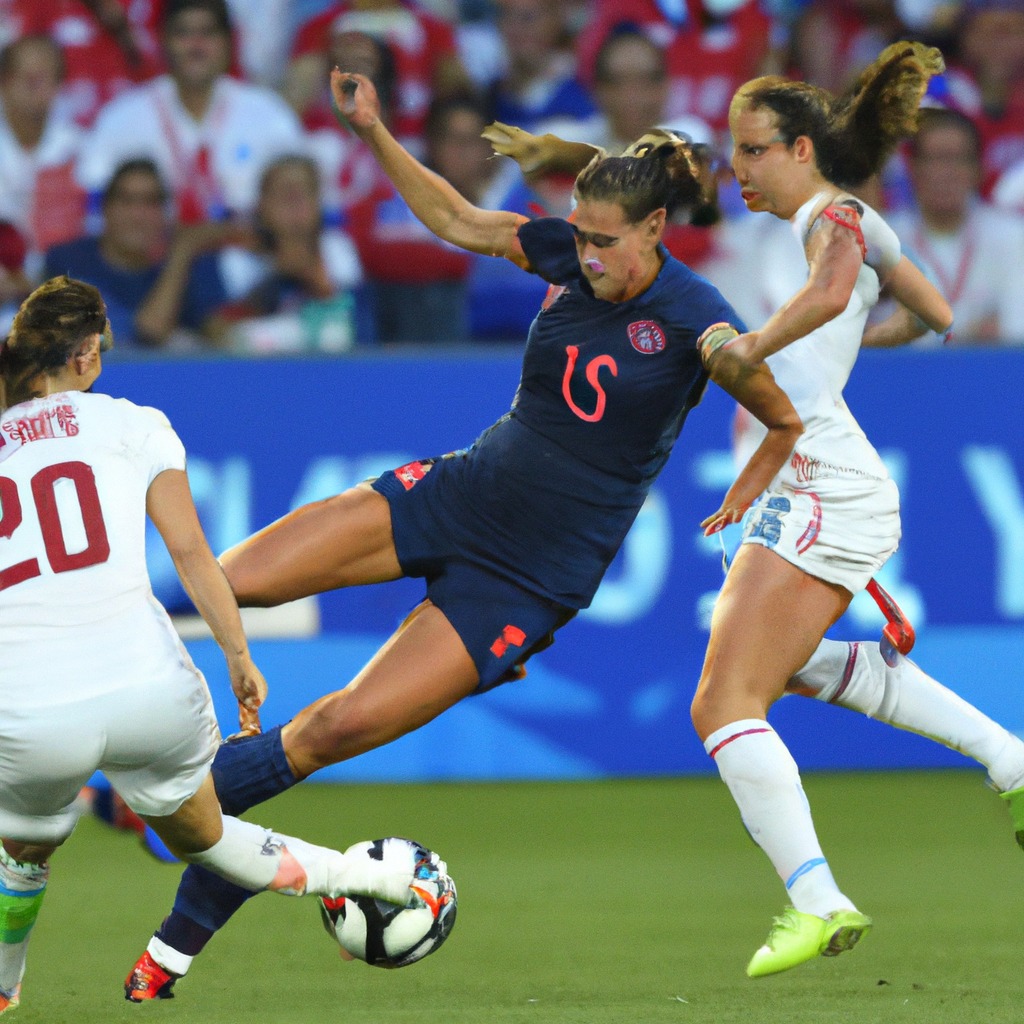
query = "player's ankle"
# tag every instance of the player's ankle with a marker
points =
(173, 961)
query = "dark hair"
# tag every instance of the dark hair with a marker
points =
(139, 165)
(50, 325)
(625, 31)
(855, 133)
(659, 170)
(441, 109)
(217, 8)
(10, 53)
(933, 119)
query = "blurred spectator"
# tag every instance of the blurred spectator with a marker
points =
(419, 282)
(987, 83)
(539, 80)
(151, 288)
(835, 40)
(262, 36)
(209, 135)
(974, 252)
(38, 148)
(14, 285)
(711, 48)
(349, 171)
(423, 45)
(108, 45)
(292, 288)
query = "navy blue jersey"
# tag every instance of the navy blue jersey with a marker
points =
(547, 495)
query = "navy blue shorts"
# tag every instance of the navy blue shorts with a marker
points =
(501, 623)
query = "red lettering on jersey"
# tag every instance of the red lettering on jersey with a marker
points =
(510, 635)
(593, 368)
(409, 474)
(58, 421)
(646, 337)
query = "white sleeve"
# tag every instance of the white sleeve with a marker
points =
(160, 447)
(881, 242)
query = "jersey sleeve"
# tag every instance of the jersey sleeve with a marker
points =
(880, 241)
(160, 447)
(550, 245)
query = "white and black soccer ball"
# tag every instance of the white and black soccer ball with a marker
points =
(386, 935)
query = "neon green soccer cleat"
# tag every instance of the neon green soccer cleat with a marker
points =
(1015, 798)
(796, 937)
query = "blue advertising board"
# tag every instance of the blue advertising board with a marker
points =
(612, 696)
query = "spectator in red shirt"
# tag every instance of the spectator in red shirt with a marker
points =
(708, 55)
(987, 81)
(426, 61)
(834, 41)
(107, 44)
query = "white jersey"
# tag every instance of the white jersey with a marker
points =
(814, 369)
(77, 614)
(244, 129)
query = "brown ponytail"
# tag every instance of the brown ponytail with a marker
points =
(50, 325)
(854, 134)
(662, 169)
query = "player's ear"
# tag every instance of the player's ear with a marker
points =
(87, 355)
(654, 224)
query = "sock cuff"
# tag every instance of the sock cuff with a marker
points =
(169, 958)
(733, 731)
(20, 879)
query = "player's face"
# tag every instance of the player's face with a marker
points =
(771, 175)
(197, 50)
(617, 257)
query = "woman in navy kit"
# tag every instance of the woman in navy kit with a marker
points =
(514, 534)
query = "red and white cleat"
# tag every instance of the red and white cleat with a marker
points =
(898, 634)
(148, 980)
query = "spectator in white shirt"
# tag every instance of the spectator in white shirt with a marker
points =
(38, 148)
(211, 136)
(972, 250)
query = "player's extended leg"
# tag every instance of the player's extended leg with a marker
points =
(344, 541)
(24, 872)
(856, 676)
(769, 619)
(422, 670)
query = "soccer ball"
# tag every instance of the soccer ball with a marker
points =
(386, 935)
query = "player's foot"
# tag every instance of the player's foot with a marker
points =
(796, 937)
(385, 868)
(8, 1001)
(148, 980)
(1015, 798)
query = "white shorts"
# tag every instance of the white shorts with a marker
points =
(154, 740)
(841, 529)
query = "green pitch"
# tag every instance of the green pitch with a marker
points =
(590, 903)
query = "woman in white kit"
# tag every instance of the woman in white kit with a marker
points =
(92, 674)
(831, 518)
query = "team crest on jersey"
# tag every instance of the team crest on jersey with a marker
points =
(40, 423)
(646, 337)
(409, 474)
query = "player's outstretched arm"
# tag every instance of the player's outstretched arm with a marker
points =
(834, 257)
(432, 199)
(170, 506)
(754, 387)
(539, 155)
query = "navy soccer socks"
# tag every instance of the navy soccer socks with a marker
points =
(245, 772)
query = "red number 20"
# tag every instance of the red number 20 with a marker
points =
(45, 497)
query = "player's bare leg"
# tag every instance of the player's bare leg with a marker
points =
(422, 670)
(343, 541)
(24, 872)
(769, 619)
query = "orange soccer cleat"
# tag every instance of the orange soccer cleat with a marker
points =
(148, 980)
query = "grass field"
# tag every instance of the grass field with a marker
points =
(590, 903)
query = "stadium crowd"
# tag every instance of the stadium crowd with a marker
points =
(182, 155)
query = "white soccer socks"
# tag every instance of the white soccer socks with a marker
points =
(256, 858)
(856, 676)
(765, 783)
(22, 887)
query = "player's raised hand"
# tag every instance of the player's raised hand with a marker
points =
(355, 100)
(250, 690)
